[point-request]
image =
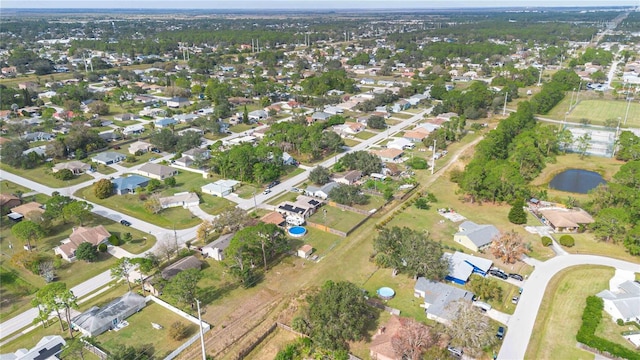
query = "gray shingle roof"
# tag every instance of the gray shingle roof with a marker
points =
(480, 235)
(439, 297)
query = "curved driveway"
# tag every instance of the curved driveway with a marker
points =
(521, 322)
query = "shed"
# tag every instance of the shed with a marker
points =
(305, 251)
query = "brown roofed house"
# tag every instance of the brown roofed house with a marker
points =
(27, 208)
(273, 218)
(381, 345)
(94, 235)
(565, 220)
(7, 202)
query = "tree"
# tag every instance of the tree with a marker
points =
(121, 270)
(517, 214)
(509, 247)
(87, 252)
(412, 340)
(27, 231)
(153, 185)
(170, 181)
(78, 211)
(204, 230)
(167, 247)
(184, 286)
(153, 204)
(583, 143)
(362, 160)
(74, 349)
(103, 188)
(178, 330)
(47, 271)
(611, 224)
(320, 175)
(376, 122)
(255, 244)
(348, 195)
(99, 107)
(469, 327)
(63, 174)
(411, 251)
(485, 288)
(231, 220)
(54, 297)
(11, 152)
(338, 313)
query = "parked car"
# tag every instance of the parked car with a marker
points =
(154, 150)
(482, 306)
(500, 333)
(125, 222)
(268, 191)
(457, 352)
(499, 274)
(515, 299)
(516, 277)
(273, 183)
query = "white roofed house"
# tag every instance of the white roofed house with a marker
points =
(193, 155)
(133, 129)
(140, 146)
(475, 237)
(184, 199)
(257, 115)
(220, 188)
(623, 302)
(321, 192)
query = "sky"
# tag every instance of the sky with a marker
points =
(304, 4)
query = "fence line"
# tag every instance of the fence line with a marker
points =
(349, 208)
(244, 352)
(94, 349)
(326, 228)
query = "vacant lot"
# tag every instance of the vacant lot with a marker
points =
(270, 346)
(559, 317)
(44, 175)
(7, 187)
(140, 334)
(335, 218)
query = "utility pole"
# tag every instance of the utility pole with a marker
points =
(433, 158)
(540, 76)
(626, 114)
(504, 109)
(204, 353)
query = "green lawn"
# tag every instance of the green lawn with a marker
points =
(559, 317)
(15, 292)
(271, 345)
(401, 116)
(246, 190)
(7, 187)
(103, 169)
(610, 330)
(140, 333)
(321, 241)
(364, 135)
(375, 202)
(335, 218)
(286, 196)
(43, 175)
(215, 205)
(138, 159)
(133, 206)
(503, 304)
(125, 123)
(351, 142)
(241, 128)
(598, 111)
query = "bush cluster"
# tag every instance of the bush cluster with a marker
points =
(114, 240)
(591, 318)
(546, 241)
(567, 240)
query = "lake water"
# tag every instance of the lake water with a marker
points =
(576, 181)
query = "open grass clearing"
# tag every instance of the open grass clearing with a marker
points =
(246, 190)
(286, 196)
(351, 142)
(375, 202)
(215, 205)
(598, 111)
(139, 159)
(560, 315)
(335, 218)
(322, 242)
(15, 292)
(610, 330)
(586, 243)
(401, 116)
(125, 123)
(44, 175)
(241, 128)
(103, 169)
(272, 344)
(140, 334)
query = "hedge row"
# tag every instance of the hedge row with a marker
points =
(591, 318)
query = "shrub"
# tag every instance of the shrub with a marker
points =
(567, 240)
(620, 322)
(114, 240)
(102, 247)
(178, 330)
(63, 174)
(546, 241)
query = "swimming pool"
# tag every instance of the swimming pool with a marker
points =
(297, 231)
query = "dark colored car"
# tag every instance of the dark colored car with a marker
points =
(125, 222)
(516, 277)
(500, 333)
(273, 183)
(499, 274)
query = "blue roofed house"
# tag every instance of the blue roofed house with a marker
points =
(108, 158)
(462, 265)
(440, 299)
(475, 237)
(129, 184)
(164, 123)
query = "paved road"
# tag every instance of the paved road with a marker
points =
(521, 322)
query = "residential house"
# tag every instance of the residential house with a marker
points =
(447, 116)
(76, 167)
(156, 171)
(389, 155)
(49, 347)
(92, 235)
(320, 116)
(624, 302)
(322, 191)
(215, 249)
(185, 118)
(381, 347)
(20, 211)
(220, 188)
(349, 178)
(274, 218)
(462, 265)
(193, 155)
(95, 321)
(189, 262)
(165, 123)
(184, 199)
(416, 135)
(7, 202)
(288, 159)
(400, 144)
(133, 129)
(140, 147)
(108, 158)
(475, 237)
(333, 110)
(38, 136)
(391, 169)
(305, 251)
(257, 115)
(565, 220)
(440, 299)
(125, 117)
(178, 102)
(416, 99)
(400, 105)
(109, 136)
(302, 208)
(129, 184)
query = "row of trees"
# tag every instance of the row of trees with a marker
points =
(307, 141)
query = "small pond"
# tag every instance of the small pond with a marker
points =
(576, 181)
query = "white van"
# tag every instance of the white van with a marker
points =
(482, 305)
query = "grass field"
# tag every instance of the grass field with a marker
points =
(7, 187)
(597, 110)
(271, 345)
(559, 317)
(322, 242)
(364, 135)
(140, 333)
(342, 220)
(608, 329)
(43, 175)
(351, 142)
